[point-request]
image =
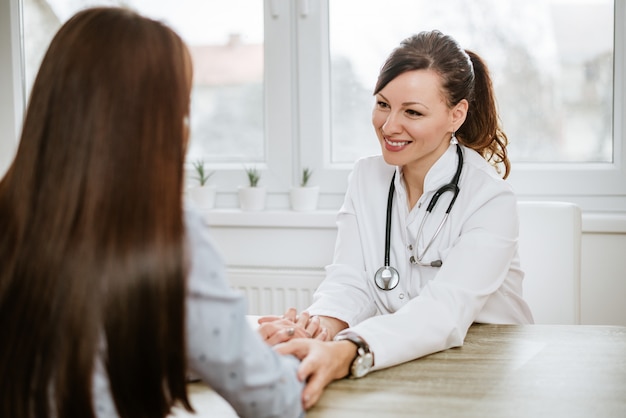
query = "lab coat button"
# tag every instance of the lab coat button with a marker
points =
(410, 247)
(401, 295)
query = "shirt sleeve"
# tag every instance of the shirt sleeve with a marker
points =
(223, 350)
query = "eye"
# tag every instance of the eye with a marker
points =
(413, 113)
(382, 105)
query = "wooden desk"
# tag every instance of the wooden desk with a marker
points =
(501, 371)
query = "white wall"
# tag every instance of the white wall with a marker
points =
(258, 244)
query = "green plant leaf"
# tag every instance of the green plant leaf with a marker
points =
(306, 176)
(253, 176)
(202, 174)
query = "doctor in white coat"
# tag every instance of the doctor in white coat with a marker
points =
(428, 233)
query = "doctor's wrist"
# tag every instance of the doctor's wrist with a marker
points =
(363, 359)
(345, 352)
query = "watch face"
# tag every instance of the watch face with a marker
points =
(362, 365)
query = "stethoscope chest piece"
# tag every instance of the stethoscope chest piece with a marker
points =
(387, 278)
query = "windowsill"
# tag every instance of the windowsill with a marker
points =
(593, 222)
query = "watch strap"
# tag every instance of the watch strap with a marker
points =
(362, 351)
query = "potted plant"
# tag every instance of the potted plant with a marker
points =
(202, 192)
(252, 196)
(304, 197)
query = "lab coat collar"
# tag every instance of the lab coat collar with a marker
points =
(439, 174)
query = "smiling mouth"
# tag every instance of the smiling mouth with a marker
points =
(396, 144)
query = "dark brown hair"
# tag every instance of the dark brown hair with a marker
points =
(91, 224)
(464, 75)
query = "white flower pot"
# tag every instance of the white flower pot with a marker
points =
(304, 198)
(204, 196)
(252, 198)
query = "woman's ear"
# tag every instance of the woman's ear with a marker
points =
(459, 113)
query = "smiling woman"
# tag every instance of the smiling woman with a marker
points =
(436, 120)
(409, 118)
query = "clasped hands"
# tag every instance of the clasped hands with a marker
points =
(308, 338)
(279, 329)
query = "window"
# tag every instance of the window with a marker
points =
(226, 44)
(553, 79)
(229, 123)
(558, 71)
(303, 98)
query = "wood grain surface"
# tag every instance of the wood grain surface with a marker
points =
(500, 371)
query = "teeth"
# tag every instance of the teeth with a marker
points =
(396, 144)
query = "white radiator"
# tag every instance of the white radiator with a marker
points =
(273, 291)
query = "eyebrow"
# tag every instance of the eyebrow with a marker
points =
(405, 104)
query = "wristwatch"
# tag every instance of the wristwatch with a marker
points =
(364, 359)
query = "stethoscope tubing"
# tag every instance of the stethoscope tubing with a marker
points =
(392, 189)
(387, 277)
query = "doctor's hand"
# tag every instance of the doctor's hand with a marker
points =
(321, 363)
(278, 329)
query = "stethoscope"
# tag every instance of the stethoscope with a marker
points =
(387, 277)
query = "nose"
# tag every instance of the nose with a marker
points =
(392, 124)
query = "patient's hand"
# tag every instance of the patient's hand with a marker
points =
(277, 329)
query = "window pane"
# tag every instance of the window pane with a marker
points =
(551, 63)
(226, 43)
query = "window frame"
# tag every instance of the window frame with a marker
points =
(278, 171)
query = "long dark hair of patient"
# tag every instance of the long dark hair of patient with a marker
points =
(91, 226)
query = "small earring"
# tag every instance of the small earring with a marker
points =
(453, 140)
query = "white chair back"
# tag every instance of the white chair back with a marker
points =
(549, 246)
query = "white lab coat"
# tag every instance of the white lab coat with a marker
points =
(432, 308)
